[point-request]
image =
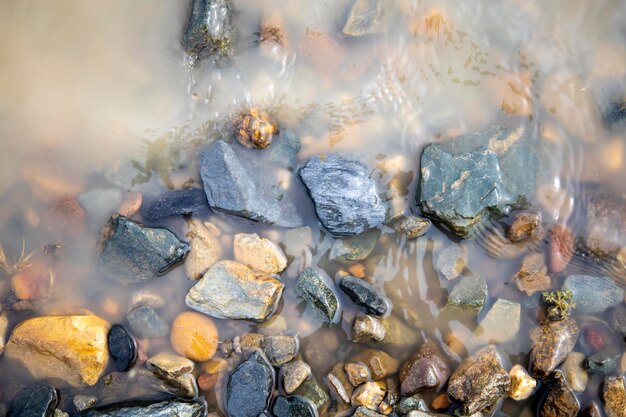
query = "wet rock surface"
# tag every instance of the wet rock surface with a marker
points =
(426, 369)
(168, 365)
(414, 227)
(522, 384)
(233, 186)
(294, 374)
(407, 405)
(552, 342)
(37, 400)
(293, 406)
(593, 294)
(501, 324)
(210, 30)
(369, 394)
(354, 248)
(249, 387)
(560, 248)
(233, 291)
(574, 373)
(194, 336)
(560, 400)
(605, 361)
(175, 203)
(122, 348)
(357, 373)
(380, 363)
(533, 275)
(280, 349)
(614, 396)
(469, 294)
(258, 254)
(523, 226)
(204, 249)
(366, 17)
(367, 329)
(132, 253)
(254, 129)
(452, 261)
(345, 197)
(167, 408)
(467, 178)
(4, 325)
(339, 384)
(315, 290)
(479, 381)
(313, 391)
(71, 348)
(364, 295)
(145, 322)
(82, 402)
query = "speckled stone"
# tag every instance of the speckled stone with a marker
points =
(353, 248)
(552, 342)
(367, 329)
(294, 406)
(593, 294)
(249, 387)
(574, 373)
(426, 369)
(614, 396)
(560, 400)
(315, 289)
(175, 203)
(259, 254)
(211, 30)
(145, 322)
(469, 294)
(173, 407)
(364, 295)
(294, 374)
(522, 384)
(37, 400)
(366, 17)
(451, 261)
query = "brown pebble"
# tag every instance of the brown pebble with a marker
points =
(533, 274)
(32, 283)
(441, 402)
(110, 306)
(357, 270)
(206, 382)
(560, 248)
(66, 215)
(523, 226)
(131, 204)
(194, 336)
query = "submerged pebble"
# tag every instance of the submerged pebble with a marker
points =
(313, 287)
(552, 342)
(593, 294)
(122, 347)
(574, 372)
(294, 373)
(210, 30)
(452, 260)
(614, 396)
(175, 203)
(37, 400)
(366, 17)
(367, 329)
(560, 400)
(145, 322)
(522, 384)
(469, 294)
(364, 295)
(533, 275)
(523, 226)
(426, 369)
(414, 227)
(294, 406)
(204, 249)
(194, 336)
(173, 407)
(259, 254)
(249, 387)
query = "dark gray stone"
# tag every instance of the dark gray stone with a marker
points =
(122, 348)
(469, 294)
(366, 17)
(316, 291)
(408, 404)
(472, 176)
(133, 253)
(175, 203)
(593, 294)
(560, 401)
(210, 31)
(604, 361)
(144, 321)
(615, 114)
(294, 406)
(364, 295)
(237, 185)
(249, 387)
(168, 408)
(345, 197)
(38, 400)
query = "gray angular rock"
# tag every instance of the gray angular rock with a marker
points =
(412, 403)
(366, 17)
(364, 295)
(132, 253)
(168, 365)
(452, 260)
(552, 342)
(479, 381)
(414, 227)
(249, 387)
(354, 248)
(294, 406)
(280, 349)
(604, 361)
(470, 177)
(233, 186)
(82, 401)
(313, 391)
(145, 322)
(231, 290)
(167, 408)
(175, 203)
(345, 197)
(593, 294)
(367, 329)
(294, 374)
(315, 289)
(469, 294)
(37, 400)
(211, 30)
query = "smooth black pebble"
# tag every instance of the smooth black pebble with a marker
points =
(122, 347)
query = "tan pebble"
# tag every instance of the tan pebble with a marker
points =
(261, 255)
(370, 395)
(612, 155)
(455, 344)
(215, 365)
(522, 384)
(358, 373)
(194, 336)
(205, 249)
(131, 204)
(441, 402)
(357, 270)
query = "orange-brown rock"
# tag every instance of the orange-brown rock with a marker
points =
(194, 336)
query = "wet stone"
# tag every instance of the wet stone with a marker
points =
(178, 408)
(522, 384)
(4, 325)
(501, 323)
(293, 406)
(380, 363)
(145, 322)
(210, 30)
(468, 178)
(560, 248)
(451, 261)
(367, 329)
(533, 275)
(132, 253)
(337, 381)
(100, 204)
(204, 249)
(560, 401)
(364, 295)
(194, 336)
(37, 400)
(409, 404)
(469, 294)
(357, 373)
(294, 374)
(254, 129)
(315, 290)
(313, 391)
(183, 386)
(231, 290)
(617, 320)
(426, 369)
(345, 197)
(362, 411)
(369, 394)
(523, 226)
(605, 361)
(354, 248)
(552, 342)
(574, 373)
(175, 203)
(366, 17)
(614, 396)
(122, 348)
(593, 294)
(258, 254)
(413, 227)
(479, 381)
(167, 365)
(605, 220)
(249, 387)
(82, 402)
(592, 410)
(233, 186)
(280, 349)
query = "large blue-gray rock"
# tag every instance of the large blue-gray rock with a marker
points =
(472, 176)
(175, 203)
(37, 400)
(249, 387)
(237, 184)
(345, 197)
(211, 30)
(132, 253)
(593, 294)
(167, 408)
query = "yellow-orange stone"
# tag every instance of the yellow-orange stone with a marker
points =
(194, 336)
(71, 348)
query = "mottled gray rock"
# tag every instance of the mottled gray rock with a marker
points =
(132, 253)
(604, 361)
(617, 320)
(354, 248)
(452, 260)
(413, 226)
(168, 408)
(367, 329)
(472, 176)
(593, 294)
(249, 387)
(426, 369)
(560, 401)
(533, 274)
(175, 203)
(614, 396)
(315, 289)
(168, 365)
(469, 294)
(37, 400)
(233, 186)
(82, 401)
(100, 204)
(501, 323)
(412, 403)
(366, 17)
(294, 374)
(294, 406)
(280, 349)
(211, 29)
(313, 391)
(605, 222)
(144, 321)
(479, 381)
(345, 197)
(552, 342)
(233, 291)
(364, 295)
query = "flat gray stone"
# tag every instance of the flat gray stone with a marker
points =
(469, 294)
(593, 294)
(168, 408)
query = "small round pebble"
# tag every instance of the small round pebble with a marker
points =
(194, 336)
